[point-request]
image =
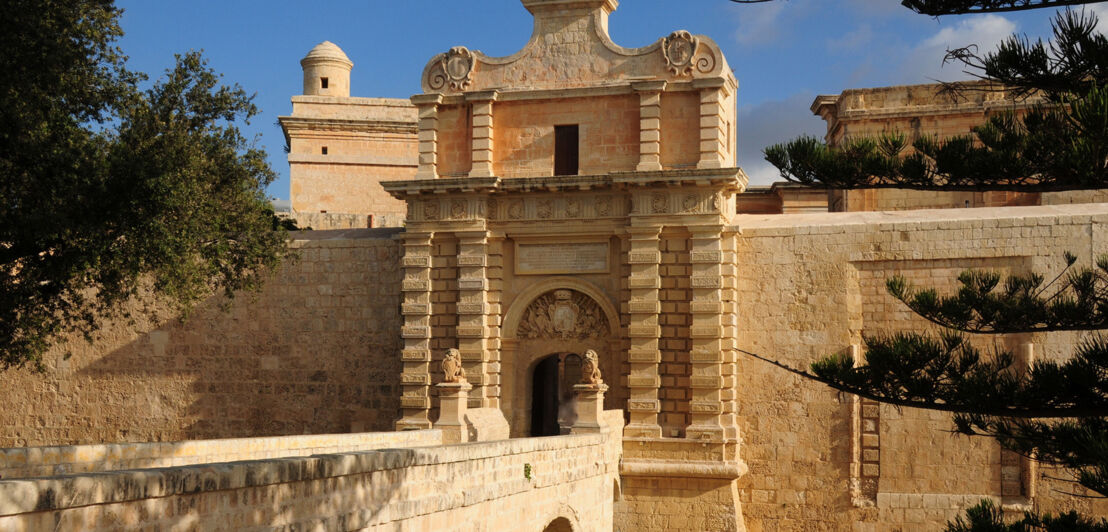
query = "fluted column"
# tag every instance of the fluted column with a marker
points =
(415, 379)
(482, 143)
(427, 106)
(644, 355)
(650, 124)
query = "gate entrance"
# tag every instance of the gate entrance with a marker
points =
(552, 410)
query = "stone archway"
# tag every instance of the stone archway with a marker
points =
(558, 316)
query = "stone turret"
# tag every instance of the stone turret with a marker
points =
(327, 71)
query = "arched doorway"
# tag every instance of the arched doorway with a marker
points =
(562, 318)
(560, 524)
(552, 411)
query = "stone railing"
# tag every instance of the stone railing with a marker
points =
(521, 484)
(24, 462)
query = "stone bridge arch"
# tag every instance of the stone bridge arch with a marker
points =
(554, 316)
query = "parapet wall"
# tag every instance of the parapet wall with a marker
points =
(27, 462)
(812, 285)
(523, 484)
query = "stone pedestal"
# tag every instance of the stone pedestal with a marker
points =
(590, 408)
(452, 411)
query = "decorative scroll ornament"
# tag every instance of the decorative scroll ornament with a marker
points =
(565, 314)
(590, 369)
(452, 367)
(457, 66)
(679, 49)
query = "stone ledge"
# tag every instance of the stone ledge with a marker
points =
(72, 491)
(682, 469)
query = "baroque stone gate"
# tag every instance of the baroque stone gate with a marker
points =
(576, 195)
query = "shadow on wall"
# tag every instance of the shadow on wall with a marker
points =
(314, 352)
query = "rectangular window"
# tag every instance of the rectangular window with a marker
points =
(323, 83)
(565, 150)
(324, 150)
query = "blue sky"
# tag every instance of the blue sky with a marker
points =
(784, 53)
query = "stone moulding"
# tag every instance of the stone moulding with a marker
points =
(732, 180)
(682, 468)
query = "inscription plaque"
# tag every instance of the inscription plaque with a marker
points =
(586, 257)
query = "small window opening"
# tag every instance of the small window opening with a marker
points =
(323, 83)
(324, 150)
(565, 150)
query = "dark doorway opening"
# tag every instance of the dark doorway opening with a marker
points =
(552, 402)
(544, 398)
(565, 150)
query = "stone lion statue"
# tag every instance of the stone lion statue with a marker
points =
(590, 369)
(452, 367)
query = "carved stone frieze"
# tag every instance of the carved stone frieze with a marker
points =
(566, 314)
(570, 207)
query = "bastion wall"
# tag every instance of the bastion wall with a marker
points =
(318, 352)
(314, 352)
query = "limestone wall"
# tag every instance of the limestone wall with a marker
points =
(340, 149)
(811, 285)
(524, 484)
(314, 352)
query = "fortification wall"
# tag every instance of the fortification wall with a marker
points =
(525, 484)
(812, 285)
(314, 352)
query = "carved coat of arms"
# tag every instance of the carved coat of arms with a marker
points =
(563, 314)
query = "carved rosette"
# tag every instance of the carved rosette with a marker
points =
(679, 49)
(455, 69)
(565, 314)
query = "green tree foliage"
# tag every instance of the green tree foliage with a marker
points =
(987, 517)
(1061, 144)
(107, 190)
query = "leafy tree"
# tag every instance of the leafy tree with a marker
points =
(1056, 412)
(109, 192)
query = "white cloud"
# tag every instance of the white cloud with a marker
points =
(923, 63)
(852, 41)
(1101, 12)
(770, 123)
(758, 24)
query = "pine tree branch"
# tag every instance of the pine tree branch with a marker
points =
(1030, 413)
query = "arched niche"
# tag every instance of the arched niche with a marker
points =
(560, 315)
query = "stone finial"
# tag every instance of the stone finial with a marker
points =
(590, 369)
(452, 367)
